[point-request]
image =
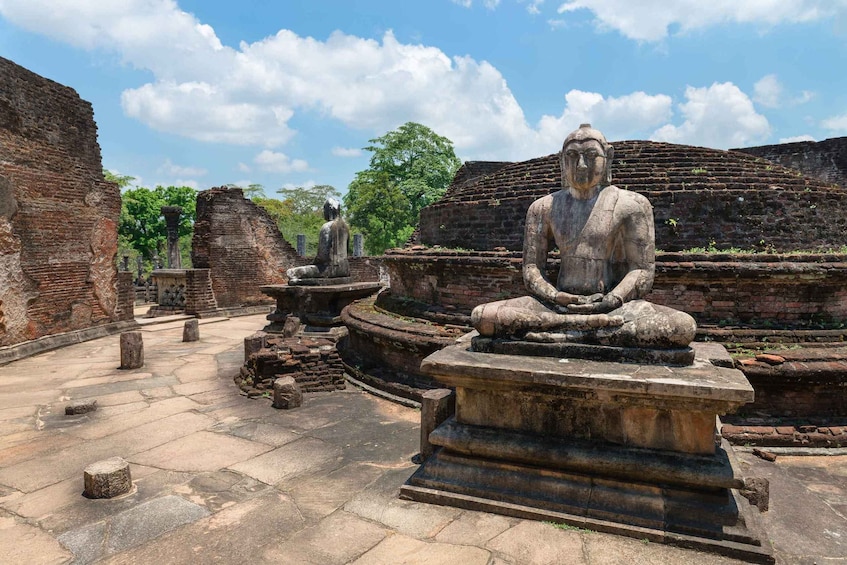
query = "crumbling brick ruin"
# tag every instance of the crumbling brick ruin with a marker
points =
(244, 249)
(242, 246)
(825, 160)
(58, 216)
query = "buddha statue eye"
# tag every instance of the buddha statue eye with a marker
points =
(572, 154)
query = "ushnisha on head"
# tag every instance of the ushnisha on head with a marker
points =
(332, 208)
(586, 160)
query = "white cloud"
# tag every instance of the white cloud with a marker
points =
(191, 183)
(533, 6)
(557, 23)
(719, 116)
(796, 138)
(273, 162)
(836, 123)
(805, 96)
(619, 118)
(244, 168)
(346, 152)
(767, 91)
(490, 4)
(308, 184)
(170, 169)
(649, 20)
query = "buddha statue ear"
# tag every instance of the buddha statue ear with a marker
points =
(610, 154)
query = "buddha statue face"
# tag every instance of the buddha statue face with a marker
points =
(586, 160)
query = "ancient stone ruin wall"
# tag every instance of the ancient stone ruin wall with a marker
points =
(241, 245)
(58, 216)
(825, 160)
(791, 290)
(244, 249)
(700, 197)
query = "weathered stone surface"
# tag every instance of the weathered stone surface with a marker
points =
(191, 330)
(132, 350)
(757, 491)
(107, 479)
(319, 306)
(291, 326)
(81, 407)
(286, 393)
(331, 260)
(606, 242)
(436, 406)
(58, 216)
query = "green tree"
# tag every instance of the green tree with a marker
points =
(411, 167)
(122, 181)
(300, 212)
(142, 226)
(251, 191)
(308, 200)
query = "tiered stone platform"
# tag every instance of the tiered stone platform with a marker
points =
(607, 446)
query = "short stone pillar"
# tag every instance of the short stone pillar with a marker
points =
(436, 406)
(287, 393)
(172, 214)
(125, 263)
(107, 479)
(132, 350)
(139, 268)
(301, 245)
(191, 331)
(358, 245)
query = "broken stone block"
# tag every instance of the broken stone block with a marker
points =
(132, 350)
(436, 406)
(757, 492)
(191, 331)
(287, 393)
(107, 479)
(80, 407)
(291, 326)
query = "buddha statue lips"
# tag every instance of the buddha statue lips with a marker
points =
(605, 236)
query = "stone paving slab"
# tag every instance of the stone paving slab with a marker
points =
(226, 479)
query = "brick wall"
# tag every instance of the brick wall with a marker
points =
(241, 246)
(825, 160)
(699, 196)
(199, 296)
(745, 289)
(58, 216)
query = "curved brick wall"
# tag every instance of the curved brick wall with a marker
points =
(58, 216)
(788, 290)
(699, 196)
(825, 160)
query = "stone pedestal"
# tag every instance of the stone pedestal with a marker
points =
(107, 479)
(317, 306)
(624, 448)
(132, 350)
(171, 292)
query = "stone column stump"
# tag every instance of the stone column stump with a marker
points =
(287, 393)
(191, 331)
(132, 350)
(436, 406)
(107, 479)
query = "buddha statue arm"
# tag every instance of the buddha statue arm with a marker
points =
(639, 248)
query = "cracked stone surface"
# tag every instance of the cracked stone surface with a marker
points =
(222, 478)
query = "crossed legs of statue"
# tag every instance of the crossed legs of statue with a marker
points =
(635, 324)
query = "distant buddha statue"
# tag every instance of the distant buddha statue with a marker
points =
(605, 237)
(331, 260)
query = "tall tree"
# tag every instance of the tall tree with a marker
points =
(300, 211)
(142, 225)
(122, 181)
(412, 162)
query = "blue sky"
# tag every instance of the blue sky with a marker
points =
(285, 93)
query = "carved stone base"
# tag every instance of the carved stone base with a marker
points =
(624, 448)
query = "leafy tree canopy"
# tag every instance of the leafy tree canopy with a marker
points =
(122, 181)
(300, 212)
(411, 167)
(308, 200)
(142, 226)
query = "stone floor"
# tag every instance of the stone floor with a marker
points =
(225, 479)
